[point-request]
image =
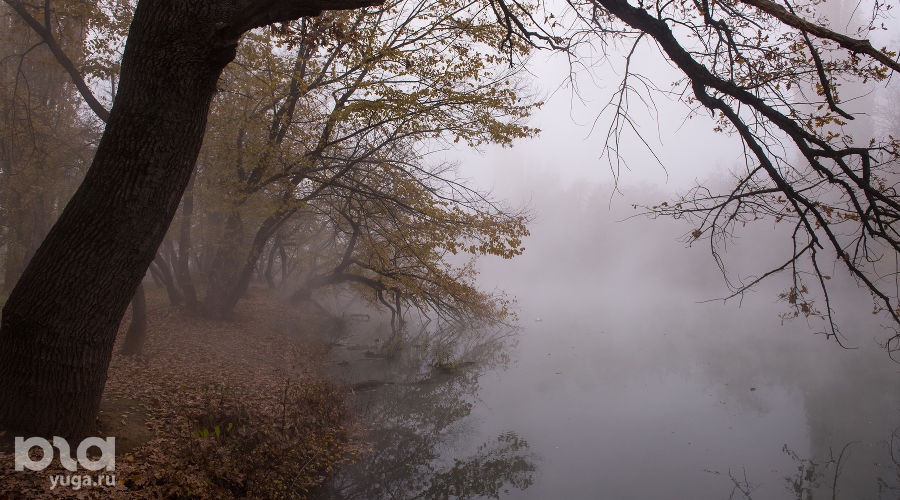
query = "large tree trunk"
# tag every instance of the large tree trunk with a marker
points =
(60, 321)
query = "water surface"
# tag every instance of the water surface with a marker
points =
(620, 383)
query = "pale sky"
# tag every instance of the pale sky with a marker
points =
(571, 142)
(572, 137)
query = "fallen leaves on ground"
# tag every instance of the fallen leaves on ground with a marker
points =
(214, 409)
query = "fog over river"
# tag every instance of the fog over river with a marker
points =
(620, 382)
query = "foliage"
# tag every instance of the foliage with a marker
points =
(45, 144)
(278, 451)
(397, 238)
(329, 122)
(348, 104)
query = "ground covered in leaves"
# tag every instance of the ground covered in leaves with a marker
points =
(214, 409)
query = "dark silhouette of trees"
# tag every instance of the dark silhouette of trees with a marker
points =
(45, 145)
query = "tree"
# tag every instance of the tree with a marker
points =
(769, 73)
(391, 234)
(738, 58)
(345, 94)
(45, 145)
(60, 320)
(43, 116)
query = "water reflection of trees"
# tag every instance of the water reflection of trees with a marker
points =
(414, 395)
(851, 413)
(825, 477)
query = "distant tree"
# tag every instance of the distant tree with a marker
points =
(60, 320)
(45, 145)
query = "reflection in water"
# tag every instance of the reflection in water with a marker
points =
(814, 476)
(630, 376)
(627, 387)
(851, 406)
(414, 396)
(821, 478)
(487, 473)
(838, 475)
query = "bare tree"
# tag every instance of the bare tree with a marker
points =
(769, 73)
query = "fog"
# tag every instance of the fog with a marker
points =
(628, 375)
(339, 265)
(627, 378)
(632, 387)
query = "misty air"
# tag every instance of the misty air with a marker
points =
(449, 249)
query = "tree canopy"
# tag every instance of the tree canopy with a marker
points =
(345, 112)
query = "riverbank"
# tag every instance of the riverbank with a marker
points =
(215, 409)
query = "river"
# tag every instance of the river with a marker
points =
(619, 382)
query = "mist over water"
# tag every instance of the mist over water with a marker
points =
(624, 383)
(627, 386)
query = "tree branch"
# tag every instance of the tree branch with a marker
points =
(47, 36)
(255, 13)
(854, 45)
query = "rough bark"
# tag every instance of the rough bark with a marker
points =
(60, 321)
